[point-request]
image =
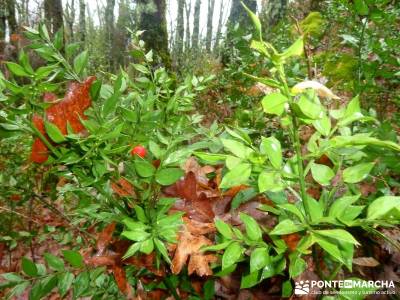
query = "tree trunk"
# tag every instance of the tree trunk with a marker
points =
(239, 14)
(196, 24)
(12, 22)
(211, 4)
(274, 12)
(180, 30)
(219, 28)
(121, 33)
(188, 10)
(82, 21)
(70, 19)
(53, 12)
(109, 31)
(153, 20)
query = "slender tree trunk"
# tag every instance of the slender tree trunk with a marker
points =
(180, 30)
(239, 14)
(121, 33)
(196, 24)
(12, 22)
(109, 30)
(188, 10)
(211, 5)
(275, 10)
(70, 19)
(153, 20)
(219, 28)
(3, 19)
(53, 12)
(82, 21)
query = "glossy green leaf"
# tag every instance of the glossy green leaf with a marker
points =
(338, 234)
(54, 132)
(357, 173)
(322, 174)
(256, 21)
(81, 61)
(238, 175)
(381, 206)
(259, 258)
(144, 168)
(29, 267)
(231, 255)
(269, 181)
(73, 257)
(274, 103)
(297, 265)
(16, 69)
(323, 125)
(54, 262)
(286, 227)
(253, 230)
(224, 228)
(147, 246)
(168, 176)
(272, 147)
(64, 283)
(237, 148)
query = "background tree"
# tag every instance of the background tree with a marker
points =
(180, 28)
(53, 12)
(210, 16)
(153, 20)
(196, 24)
(82, 21)
(188, 10)
(109, 31)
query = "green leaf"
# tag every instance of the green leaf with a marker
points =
(296, 49)
(147, 246)
(357, 173)
(162, 249)
(259, 258)
(339, 235)
(269, 181)
(361, 7)
(81, 284)
(231, 255)
(65, 281)
(224, 229)
(338, 208)
(322, 174)
(144, 168)
(16, 69)
(54, 133)
(140, 214)
(293, 209)
(110, 104)
(253, 230)
(237, 148)
(73, 257)
(29, 267)
(256, 21)
(287, 289)
(323, 125)
(141, 69)
(307, 109)
(168, 176)
(297, 265)
(381, 206)
(136, 236)
(238, 175)
(54, 262)
(12, 277)
(272, 147)
(211, 158)
(250, 280)
(131, 250)
(286, 227)
(242, 197)
(81, 61)
(274, 103)
(330, 247)
(362, 140)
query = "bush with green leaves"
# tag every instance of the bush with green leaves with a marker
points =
(326, 223)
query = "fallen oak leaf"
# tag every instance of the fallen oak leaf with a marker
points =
(366, 261)
(123, 188)
(122, 282)
(188, 247)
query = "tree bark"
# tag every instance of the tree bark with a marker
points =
(239, 14)
(180, 28)
(274, 12)
(82, 21)
(188, 10)
(53, 12)
(109, 30)
(219, 28)
(121, 32)
(12, 22)
(196, 24)
(211, 4)
(153, 20)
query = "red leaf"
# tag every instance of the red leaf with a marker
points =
(123, 188)
(120, 279)
(39, 153)
(104, 238)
